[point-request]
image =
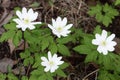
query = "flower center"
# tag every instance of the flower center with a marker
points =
(51, 63)
(26, 21)
(59, 29)
(103, 43)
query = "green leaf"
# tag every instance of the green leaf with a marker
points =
(25, 54)
(117, 2)
(53, 48)
(82, 49)
(7, 35)
(63, 50)
(97, 30)
(24, 78)
(64, 65)
(35, 4)
(45, 43)
(12, 77)
(60, 73)
(64, 40)
(17, 38)
(49, 76)
(107, 20)
(92, 57)
(2, 76)
(95, 10)
(29, 37)
(99, 17)
(10, 26)
(28, 61)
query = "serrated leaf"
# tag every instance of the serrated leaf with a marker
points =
(28, 61)
(53, 48)
(97, 30)
(12, 77)
(99, 17)
(95, 10)
(91, 57)
(82, 49)
(7, 35)
(63, 50)
(17, 38)
(60, 73)
(2, 76)
(25, 54)
(107, 20)
(10, 26)
(64, 40)
(45, 43)
(29, 38)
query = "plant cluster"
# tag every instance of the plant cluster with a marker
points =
(48, 44)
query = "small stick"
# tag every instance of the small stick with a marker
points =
(90, 74)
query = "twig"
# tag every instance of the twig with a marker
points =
(28, 70)
(90, 74)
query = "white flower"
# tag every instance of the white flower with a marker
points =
(52, 63)
(25, 19)
(59, 27)
(104, 43)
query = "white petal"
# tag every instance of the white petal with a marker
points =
(97, 36)
(68, 26)
(113, 43)
(31, 27)
(47, 69)
(24, 10)
(49, 56)
(54, 56)
(17, 20)
(102, 49)
(111, 37)
(50, 26)
(44, 59)
(56, 33)
(95, 42)
(44, 64)
(19, 14)
(53, 22)
(53, 69)
(105, 52)
(104, 35)
(60, 62)
(30, 11)
(110, 48)
(23, 28)
(35, 15)
(18, 26)
(58, 19)
(36, 23)
(64, 22)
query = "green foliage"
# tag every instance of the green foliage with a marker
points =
(107, 75)
(28, 59)
(63, 50)
(2, 76)
(117, 2)
(105, 62)
(11, 76)
(103, 13)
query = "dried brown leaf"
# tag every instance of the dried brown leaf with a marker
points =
(5, 63)
(19, 70)
(6, 3)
